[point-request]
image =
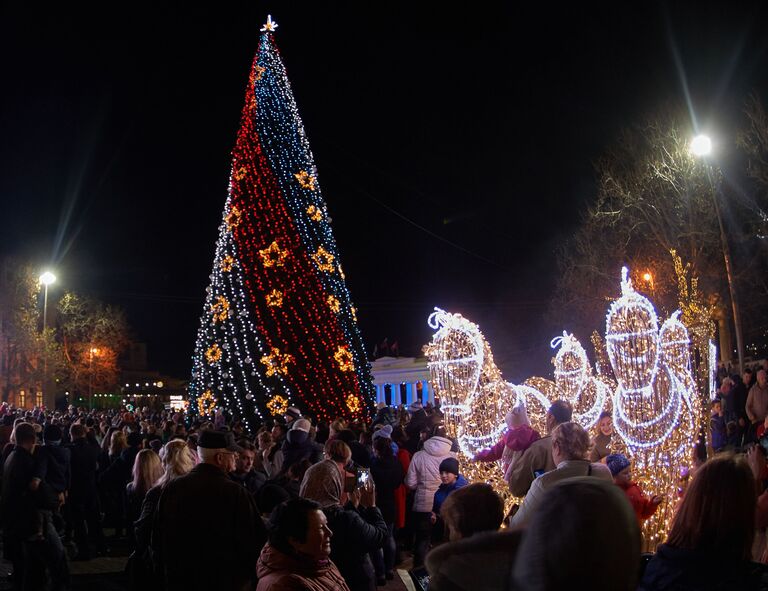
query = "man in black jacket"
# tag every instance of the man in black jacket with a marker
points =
(83, 496)
(217, 516)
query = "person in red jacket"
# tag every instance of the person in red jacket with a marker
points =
(643, 505)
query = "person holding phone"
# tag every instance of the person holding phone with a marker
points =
(358, 526)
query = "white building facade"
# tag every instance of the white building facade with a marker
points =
(402, 380)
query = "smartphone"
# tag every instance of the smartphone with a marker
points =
(363, 478)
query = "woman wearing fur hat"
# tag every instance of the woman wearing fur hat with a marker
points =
(519, 437)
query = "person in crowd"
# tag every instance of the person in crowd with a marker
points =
(360, 455)
(52, 470)
(270, 496)
(298, 445)
(384, 415)
(643, 505)
(271, 454)
(117, 444)
(231, 539)
(450, 480)
(291, 415)
(177, 460)
(297, 555)
(244, 473)
(291, 480)
(709, 545)
(83, 497)
(726, 396)
(336, 427)
(472, 516)
(717, 426)
(147, 470)
(417, 422)
(401, 493)
(358, 527)
(757, 403)
(570, 447)
(387, 474)
(115, 478)
(603, 441)
(423, 477)
(537, 459)
(584, 536)
(518, 437)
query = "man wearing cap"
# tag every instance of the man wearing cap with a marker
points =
(537, 459)
(299, 446)
(208, 532)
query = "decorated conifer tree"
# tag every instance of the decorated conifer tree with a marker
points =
(278, 327)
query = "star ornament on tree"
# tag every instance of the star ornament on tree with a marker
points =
(324, 260)
(344, 358)
(241, 173)
(334, 304)
(220, 309)
(226, 264)
(273, 255)
(306, 180)
(258, 71)
(274, 298)
(277, 405)
(213, 354)
(206, 403)
(314, 213)
(269, 26)
(233, 218)
(277, 362)
(353, 403)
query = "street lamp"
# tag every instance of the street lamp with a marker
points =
(701, 146)
(93, 351)
(46, 279)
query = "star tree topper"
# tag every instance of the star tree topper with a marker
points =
(270, 25)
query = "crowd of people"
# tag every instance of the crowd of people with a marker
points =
(301, 504)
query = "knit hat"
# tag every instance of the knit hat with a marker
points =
(616, 463)
(301, 425)
(385, 431)
(450, 465)
(52, 433)
(293, 413)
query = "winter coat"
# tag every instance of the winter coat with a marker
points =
(84, 461)
(565, 469)
(298, 446)
(510, 447)
(719, 434)
(482, 561)
(401, 493)
(424, 472)
(387, 475)
(757, 403)
(219, 518)
(251, 480)
(273, 461)
(52, 466)
(356, 533)
(385, 416)
(279, 571)
(537, 458)
(640, 503)
(444, 490)
(601, 448)
(17, 504)
(419, 420)
(675, 569)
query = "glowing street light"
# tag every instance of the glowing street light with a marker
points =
(46, 279)
(701, 145)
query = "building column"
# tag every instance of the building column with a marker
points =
(428, 391)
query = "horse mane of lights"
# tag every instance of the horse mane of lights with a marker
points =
(654, 400)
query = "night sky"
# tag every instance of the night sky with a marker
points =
(454, 144)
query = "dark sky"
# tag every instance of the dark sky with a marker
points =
(454, 144)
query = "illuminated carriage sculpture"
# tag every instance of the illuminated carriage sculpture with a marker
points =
(654, 401)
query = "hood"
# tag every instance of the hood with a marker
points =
(297, 436)
(272, 560)
(438, 446)
(517, 416)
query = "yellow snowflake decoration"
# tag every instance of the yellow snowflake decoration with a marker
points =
(334, 304)
(206, 403)
(220, 309)
(314, 213)
(274, 298)
(226, 264)
(258, 71)
(240, 174)
(324, 260)
(344, 358)
(353, 403)
(277, 405)
(306, 180)
(276, 362)
(233, 218)
(213, 354)
(273, 255)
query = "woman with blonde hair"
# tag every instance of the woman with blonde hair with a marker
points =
(177, 460)
(117, 444)
(147, 470)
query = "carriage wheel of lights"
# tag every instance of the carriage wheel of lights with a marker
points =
(654, 403)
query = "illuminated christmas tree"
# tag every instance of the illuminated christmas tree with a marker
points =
(278, 327)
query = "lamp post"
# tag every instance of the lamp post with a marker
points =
(93, 351)
(46, 279)
(701, 146)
